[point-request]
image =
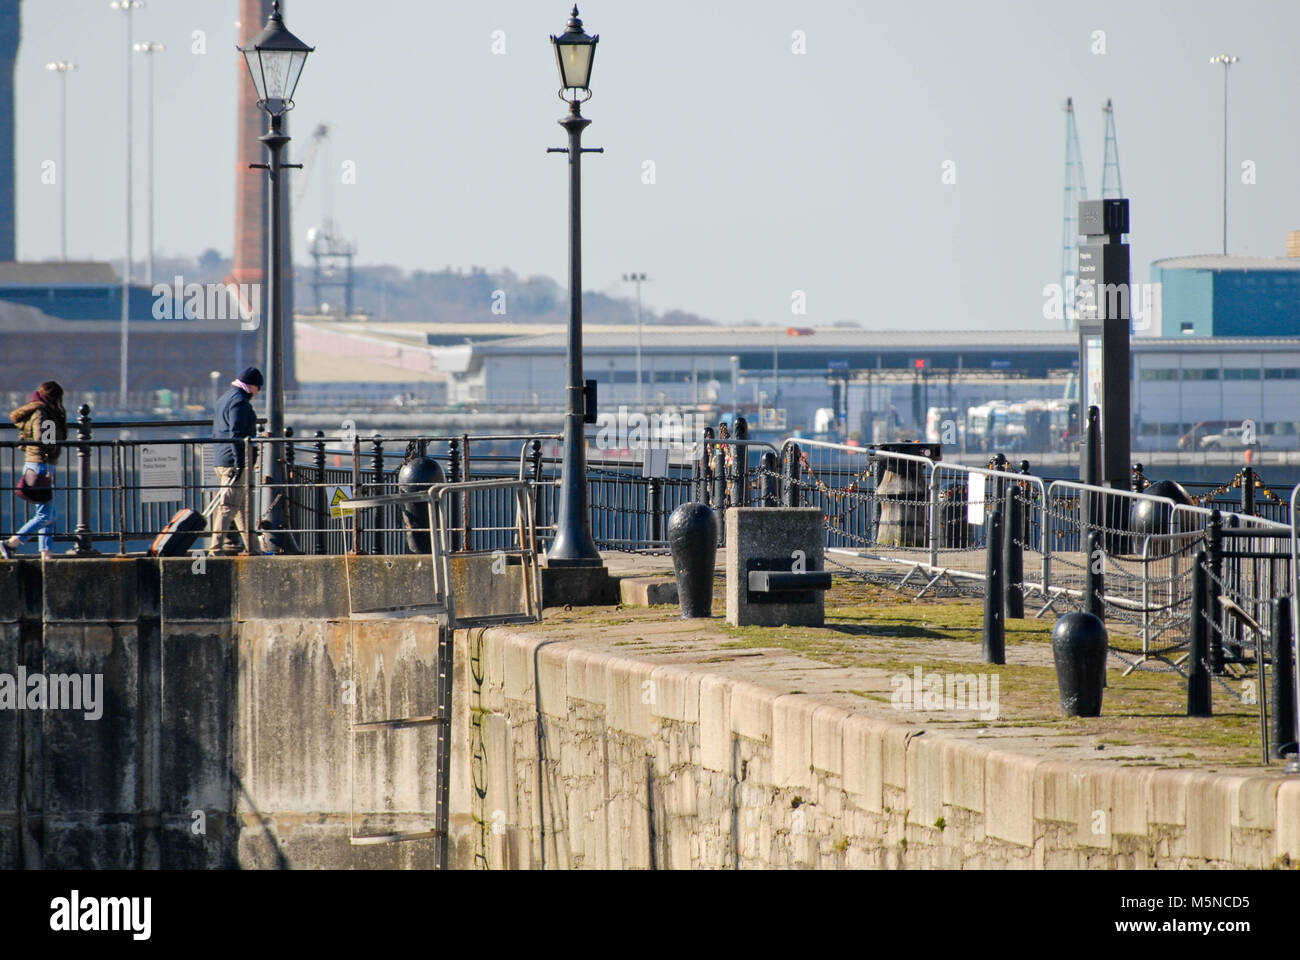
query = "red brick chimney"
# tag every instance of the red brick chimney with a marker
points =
(251, 201)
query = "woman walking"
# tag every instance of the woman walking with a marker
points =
(42, 424)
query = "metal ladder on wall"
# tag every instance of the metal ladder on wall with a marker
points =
(439, 608)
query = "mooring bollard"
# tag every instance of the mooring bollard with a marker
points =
(994, 593)
(1283, 736)
(1079, 648)
(693, 540)
(1013, 555)
(1198, 667)
(415, 475)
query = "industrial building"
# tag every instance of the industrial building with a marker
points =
(1228, 296)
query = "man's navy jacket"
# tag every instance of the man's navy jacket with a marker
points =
(234, 420)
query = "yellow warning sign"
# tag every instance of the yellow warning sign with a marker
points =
(337, 498)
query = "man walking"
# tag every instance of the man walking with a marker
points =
(233, 420)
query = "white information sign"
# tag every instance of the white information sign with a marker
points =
(656, 463)
(160, 474)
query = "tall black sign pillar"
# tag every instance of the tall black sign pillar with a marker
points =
(1103, 308)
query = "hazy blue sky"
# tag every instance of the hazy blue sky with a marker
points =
(774, 171)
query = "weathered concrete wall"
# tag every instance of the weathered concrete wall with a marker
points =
(228, 695)
(228, 703)
(665, 766)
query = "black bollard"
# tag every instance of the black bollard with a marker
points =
(1079, 647)
(417, 474)
(1283, 736)
(1198, 666)
(1013, 555)
(693, 538)
(994, 593)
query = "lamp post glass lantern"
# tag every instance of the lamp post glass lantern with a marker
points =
(573, 544)
(275, 59)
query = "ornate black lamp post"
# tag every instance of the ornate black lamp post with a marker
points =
(275, 60)
(573, 545)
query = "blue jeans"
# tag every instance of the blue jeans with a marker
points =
(45, 516)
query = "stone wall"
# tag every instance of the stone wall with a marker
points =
(228, 695)
(224, 739)
(674, 767)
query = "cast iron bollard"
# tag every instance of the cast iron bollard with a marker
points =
(790, 478)
(466, 504)
(740, 466)
(693, 540)
(1139, 478)
(85, 543)
(1283, 736)
(415, 475)
(1013, 557)
(535, 454)
(654, 506)
(705, 492)
(768, 492)
(1248, 491)
(1094, 577)
(1079, 646)
(1198, 667)
(321, 506)
(1092, 466)
(377, 490)
(994, 593)
(453, 476)
(1214, 581)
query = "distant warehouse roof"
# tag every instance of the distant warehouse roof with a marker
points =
(1216, 261)
(49, 274)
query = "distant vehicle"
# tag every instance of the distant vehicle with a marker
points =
(1231, 439)
(1191, 440)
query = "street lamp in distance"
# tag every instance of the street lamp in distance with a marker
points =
(573, 546)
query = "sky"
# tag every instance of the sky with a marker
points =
(759, 155)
